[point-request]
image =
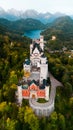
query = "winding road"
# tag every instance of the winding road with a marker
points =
(45, 109)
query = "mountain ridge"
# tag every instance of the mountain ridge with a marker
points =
(13, 15)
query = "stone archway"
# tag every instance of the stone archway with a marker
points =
(33, 96)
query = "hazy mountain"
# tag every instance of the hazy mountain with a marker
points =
(1, 11)
(7, 15)
(13, 15)
(71, 16)
(43, 17)
(30, 14)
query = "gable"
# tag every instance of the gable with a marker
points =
(41, 93)
(36, 51)
(33, 87)
(25, 93)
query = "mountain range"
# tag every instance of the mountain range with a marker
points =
(13, 15)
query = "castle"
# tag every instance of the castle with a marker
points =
(34, 83)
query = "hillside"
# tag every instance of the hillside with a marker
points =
(62, 28)
(28, 24)
(3, 29)
(21, 25)
(6, 29)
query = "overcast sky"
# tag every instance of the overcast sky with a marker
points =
(52, 6)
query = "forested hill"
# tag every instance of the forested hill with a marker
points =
(3, 29)
(62, 28)
(21, 25)
(29, 24)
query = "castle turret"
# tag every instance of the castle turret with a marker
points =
(27, 68)
(31, 47)
(47, 92)
(43, 69)
(42, 42)
(20, 94)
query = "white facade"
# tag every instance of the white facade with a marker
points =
(43, 72)
(31, 47)
(38, 60)
(43, 60)
(42, 42)
(20, 94)
(41, 39)
(26, 67)
(47, 93)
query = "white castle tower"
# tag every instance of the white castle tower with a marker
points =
(31, 47)
(47, 92)
(43, 68)
(42, 42)
(20, 94)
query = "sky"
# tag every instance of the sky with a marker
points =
(52, 6)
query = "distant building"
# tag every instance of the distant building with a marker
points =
(34, 82)
(64, 48)
(53, 37)
(72, 51)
